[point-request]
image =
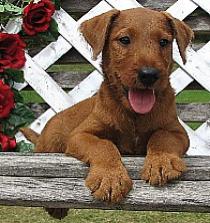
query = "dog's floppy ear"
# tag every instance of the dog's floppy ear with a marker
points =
(95, 30)
(182, 33)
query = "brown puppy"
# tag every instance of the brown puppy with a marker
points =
(134, 111)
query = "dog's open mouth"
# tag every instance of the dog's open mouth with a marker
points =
(141, 100)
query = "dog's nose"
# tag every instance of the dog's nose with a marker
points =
(148, 75)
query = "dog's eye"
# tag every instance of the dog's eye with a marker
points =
(164, 42)
(125, 40)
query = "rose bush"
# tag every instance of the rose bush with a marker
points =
(12, 53)
(37, 16)
(7, 143)
(6, 100)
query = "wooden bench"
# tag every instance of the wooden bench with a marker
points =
(54, 180)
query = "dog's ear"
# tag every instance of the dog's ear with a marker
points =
(182, 33)
(95, 30)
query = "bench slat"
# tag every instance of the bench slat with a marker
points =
(196, 112)
(51, 165)
(54, 180)
(71, 192)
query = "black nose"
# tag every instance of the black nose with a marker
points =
(148, 75)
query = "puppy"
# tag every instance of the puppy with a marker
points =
(134, 112)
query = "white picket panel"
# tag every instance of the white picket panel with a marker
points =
(122, 5)
(181, 9)
(47, 88)
(69, 29)
(204, 131)
(180, 79)
(197, 145)
(53, 51)
(203, 4)
(197, 66)
(14, 26)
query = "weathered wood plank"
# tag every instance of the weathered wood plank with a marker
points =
(66, 192)
(198, 20)
(197, 112)
(38, 109)
(60, 166)
(53, 180)
(46, 86)
(194, 112)
(199, 23)
(74, 57)
(84, 6)
(69, 79)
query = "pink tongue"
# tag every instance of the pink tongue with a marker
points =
(142, 101)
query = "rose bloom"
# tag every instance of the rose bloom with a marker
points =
(6, 100)
(37, 16)
(12, 53)
(7, 143)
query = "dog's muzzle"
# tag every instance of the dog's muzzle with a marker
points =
(148, 75)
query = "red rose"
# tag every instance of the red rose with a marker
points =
(7, 143)
(12, 53)
(6, 100)
(37, 16)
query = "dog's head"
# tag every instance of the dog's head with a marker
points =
(136, 46)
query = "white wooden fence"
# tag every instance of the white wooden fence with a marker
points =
(197, 66)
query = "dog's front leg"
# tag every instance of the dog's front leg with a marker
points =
(108, 179)
(163, 161)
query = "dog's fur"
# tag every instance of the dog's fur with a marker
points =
(99, 129)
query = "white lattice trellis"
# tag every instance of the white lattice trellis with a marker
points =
(197, 66)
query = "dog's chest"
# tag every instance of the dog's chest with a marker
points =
(133, 143)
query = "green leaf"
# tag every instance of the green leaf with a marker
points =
(13, 8)
(15, 75)
(18, 96)
(7, 129)
(24, 147)
(1, 8)
(54, 29)
(57, 4)
(20, 116)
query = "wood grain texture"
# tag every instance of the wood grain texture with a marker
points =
(73, 56)
(84, 6)
(53, 180)
(71, 193)
(198, 20)
(60, 166)
(196, 112)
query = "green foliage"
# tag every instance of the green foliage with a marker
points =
(8, 11)
(24, 147)
(54, 29)
(57, 4)
(20, 116)
(12, 75)
(44, 38)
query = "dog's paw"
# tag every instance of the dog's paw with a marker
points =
(161, 168)
(111, 184)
